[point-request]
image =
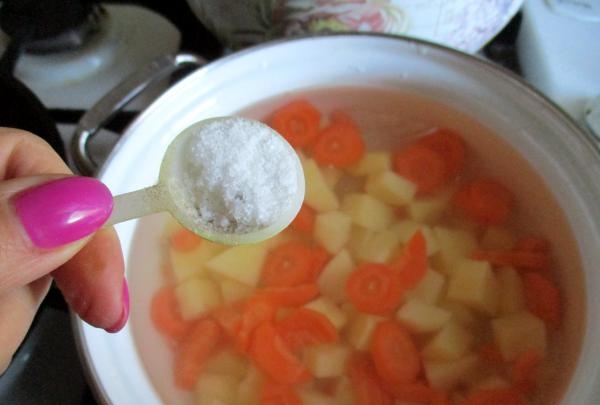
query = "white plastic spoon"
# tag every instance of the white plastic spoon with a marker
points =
(169, 194)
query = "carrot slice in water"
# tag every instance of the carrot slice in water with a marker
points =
(164, 312)
(298, 122)
(288, 264)
(533, 244)
(520, 259)
(272, 393)
(289, 296)
(320, 258)
(490, 354)
(543, 299)
(256, 311)
(305, 219)
(412, 263)
(274, 358)
(365, 381)
(449, 145)
(193, 351)
(395, 355)
(485, 201)
(340, 143)
(499, 396)
(305, 327)
(374, 288)
(183, 240)
(416, 392)
(524, 371)
(422, 166)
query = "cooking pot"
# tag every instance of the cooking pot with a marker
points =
(564, 156)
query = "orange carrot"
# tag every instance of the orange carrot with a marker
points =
(365, 381)
(183, 240)
(320, 258)
(229, 319)
(490, 354)
(524, 371)
(340, 143)
(519, 259)
(298, 122)
(395, 355)
(449, 145)
(193, 351)
(289, 296)
(305, 327)
(533, 244)
(374, 288)
(305, 219)
(164, 312)
(412, 263)
(439, 398)
(485, 201)
(274, 358)
(422, 166)
(416, 392)
(256, 311)
(272, 393)
(543, 299)
(499, 396)
(288, 264)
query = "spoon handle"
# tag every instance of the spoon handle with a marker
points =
(138, 203)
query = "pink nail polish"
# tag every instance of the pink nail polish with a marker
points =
(125, 311)
(64, 210)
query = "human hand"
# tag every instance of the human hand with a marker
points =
(49, 223)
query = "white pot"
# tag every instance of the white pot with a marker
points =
(556, 148)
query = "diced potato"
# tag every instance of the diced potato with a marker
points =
(318, 194)
(428, 209)
(331, 175)
(371, 162)
(241, 263)
(220, 387)
(233, 291)
(420, 317)
(328, 308)
(197, 296)
(491, 382)
(444, 375)
(344, 392)
(454, 245)
(474, 284)
(360, 330)
(310, 396)
(332, 230)
(326, 360)
(380, 247)
(407, 228)
(390, 188)
(460, 313)
(519, 332)
(450, 343)
(249, 388)
(189, 264)
(512, 298)
(227, 362)
(496, 237)
(334, 276)
(429, 288)
(359, 236)
(367, 211)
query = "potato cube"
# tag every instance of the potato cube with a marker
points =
(241, 263)
(429, 288)
(359, 236)
(233, 291)
(331, 175)
(318, 194)
(310, 396)
(474, 284)
(496, 237)
(519, 332)
(367, 211)
(512, 298)
(491, 382)
(328, 308)
(360, 330)
(460, 313)
(371, 162)
(390, 188)
(326, 360)
(191, 263)
(333, 278)
(248, 389)
(450, 343)
(380, 247)
(344, 393)
(220, 387)
(197, 296)
(407, 228)
(444, 375)
(227, 362)
(332, 230)
(454, 245)
(428, 209)
(420, 317)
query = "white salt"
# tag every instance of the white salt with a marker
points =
(239, 176)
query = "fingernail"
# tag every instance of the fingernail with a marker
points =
(64, 210)
(124, 312)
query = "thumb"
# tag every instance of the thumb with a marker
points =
(44, 221)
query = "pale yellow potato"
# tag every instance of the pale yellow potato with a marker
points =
(241, 263)
(332, 230)
(359, 330)
(454, 246)
(452, 342)
(371, 162)
(512, 296)
(334, 276)
(445, 375)
(390, 188)
(367, 211)
(429, 288)
(219, 387)
(328, 360)
(197, 296)
(318, 194)
(330, 309)
(474, 284)
(517, 333)
(420, 317)
(227, 362)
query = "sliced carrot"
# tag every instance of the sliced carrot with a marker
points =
(272, 393)
(416, 392)
(365, 381)
(164, 312)
(229, 319)
(288, 264)
(289, 296)
(514, 258)
(305, 219)
(490, 354)
(439, 398)
(449, 145)
(533, 244)
(305, 327)
(320, 258)
(412, 263)
(298, 122)
(272, 356)
(485, 201)
(183, 240)
(395, 355)
(374, 288)
(543, 299)
(499, 396)
(340, 143)
(256, 311)
(524, 371)
(193, 351)
(422, 166)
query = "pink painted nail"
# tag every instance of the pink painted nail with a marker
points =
(64, 210)
(125, 311)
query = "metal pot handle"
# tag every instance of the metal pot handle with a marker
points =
(119, 97)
